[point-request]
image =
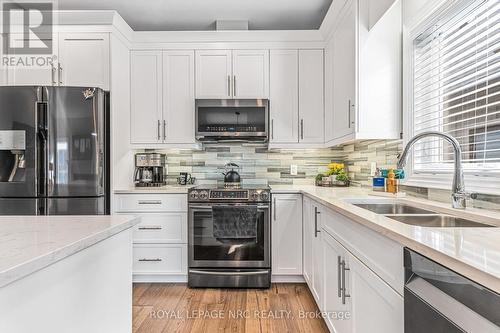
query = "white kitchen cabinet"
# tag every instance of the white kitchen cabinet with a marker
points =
(344, 72)
(374, 305)
(296, 97)
(36, 74)
(363, 73)
(250, 74)
(77, 59)
(226, 74)
(284, 98)
(157, 259)
(334, 253)
(178, 97)
(146, 96)
(307, 240)
(354, 274)
(161, 228)
(162, 101)
(286, 234)
(317, 256)
(84, 60)
(313, 249)
(214, 74)
(160, 240)
(311, 92)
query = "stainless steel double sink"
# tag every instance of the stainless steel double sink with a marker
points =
(420, 217)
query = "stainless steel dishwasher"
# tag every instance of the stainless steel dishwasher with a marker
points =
(437, 299)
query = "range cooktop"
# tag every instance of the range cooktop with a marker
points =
(214, 193)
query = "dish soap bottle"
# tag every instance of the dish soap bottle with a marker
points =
(392, 183)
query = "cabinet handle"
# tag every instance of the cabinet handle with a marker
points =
(53, 70)
(274, 209)
(149, 228)
(272, 129)
(229, 85)
(234, 85)
(302, 129)
(149, 202)
(349, 112)
(145, 259)
(158, 130)
(339, 282)
(60, 72)
(316, 213)
(164, 130)
(344, 289)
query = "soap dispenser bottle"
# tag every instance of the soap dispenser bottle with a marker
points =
(391, 183)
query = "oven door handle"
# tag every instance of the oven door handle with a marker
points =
(210, 207)
(195, 271)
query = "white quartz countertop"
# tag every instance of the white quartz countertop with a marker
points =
(168, 189)
(30, 243)
(472, 252)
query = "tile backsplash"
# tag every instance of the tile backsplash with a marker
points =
(258, 165)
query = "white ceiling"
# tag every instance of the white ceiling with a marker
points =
(164, 15)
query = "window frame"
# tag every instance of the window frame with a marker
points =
(482, 182)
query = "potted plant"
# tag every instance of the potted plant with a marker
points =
(335, 176)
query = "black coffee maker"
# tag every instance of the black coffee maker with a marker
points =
(149, 170)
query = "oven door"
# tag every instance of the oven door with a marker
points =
(208, 251)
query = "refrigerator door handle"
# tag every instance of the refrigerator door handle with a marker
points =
(42, 138)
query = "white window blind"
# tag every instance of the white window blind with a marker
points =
(456, 88)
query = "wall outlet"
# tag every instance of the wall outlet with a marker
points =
(293, 169)
(373, 168)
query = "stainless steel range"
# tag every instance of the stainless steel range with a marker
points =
(229, 237)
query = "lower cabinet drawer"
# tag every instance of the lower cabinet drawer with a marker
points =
(151, 203)
(160, 259)
(161, 228)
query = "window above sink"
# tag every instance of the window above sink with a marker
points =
(452, 76)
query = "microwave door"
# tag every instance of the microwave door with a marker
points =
(228, 120)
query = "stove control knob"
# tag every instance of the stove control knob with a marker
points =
(193, 195)
(255, 196)
(264, 196)
(203, 195)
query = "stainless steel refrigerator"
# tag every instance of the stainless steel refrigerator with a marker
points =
(54, 149)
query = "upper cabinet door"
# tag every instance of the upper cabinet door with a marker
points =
(284, 96)
(344, 72)
(43, 72)
(146, 96)
(84, 59)
(250, 74)
(213, 74)
(311, 96)
(178, 97)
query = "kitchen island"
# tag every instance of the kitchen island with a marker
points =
(66, 273)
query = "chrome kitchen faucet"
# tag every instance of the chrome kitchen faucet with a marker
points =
(458, 194)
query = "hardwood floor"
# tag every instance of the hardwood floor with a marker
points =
(172, 307)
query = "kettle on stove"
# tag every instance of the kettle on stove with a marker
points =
(231, 176)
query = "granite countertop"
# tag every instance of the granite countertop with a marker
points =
(472, 252)
(30, 243)
(168, 189)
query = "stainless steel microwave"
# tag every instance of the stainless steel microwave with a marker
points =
(232, 119)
